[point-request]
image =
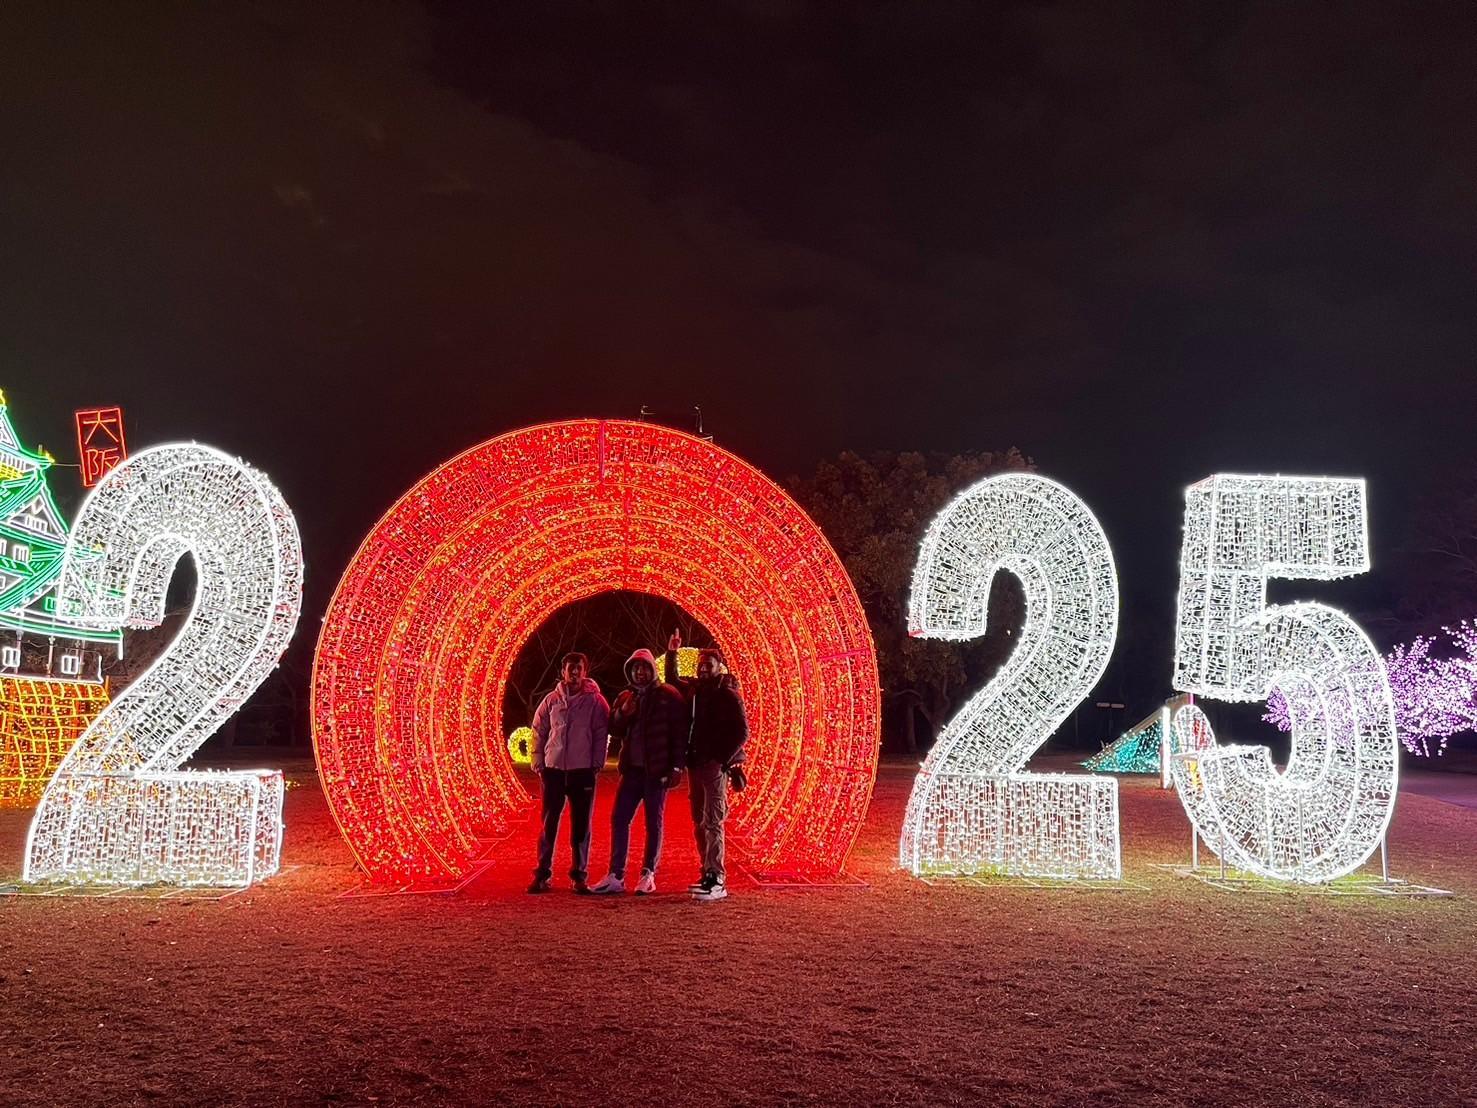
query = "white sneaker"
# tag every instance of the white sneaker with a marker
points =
(609, 884)
(647, 885)
(716, 890)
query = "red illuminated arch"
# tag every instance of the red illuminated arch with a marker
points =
(423, 629)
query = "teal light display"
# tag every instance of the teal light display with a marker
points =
(1135, 751)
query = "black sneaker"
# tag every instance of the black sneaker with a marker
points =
(580, 887)
(701, 885)
(711, 888)
(540, 885)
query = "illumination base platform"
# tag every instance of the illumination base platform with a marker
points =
(185, 828)
(1012, 881)
(783, 879)
(520, 826)
(134, 892)
(1025, 824)
(368, 890)
(1355, 884)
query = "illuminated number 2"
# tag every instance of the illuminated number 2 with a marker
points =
(1325, 812)
(972, 808)
(120, 810)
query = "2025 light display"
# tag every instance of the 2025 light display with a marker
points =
(119, 809)
(1325, 812)
(972, 809)
(426, 622)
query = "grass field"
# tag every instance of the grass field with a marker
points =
(1166, 991)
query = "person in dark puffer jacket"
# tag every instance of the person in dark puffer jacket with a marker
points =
(648, 730)
(715, 756)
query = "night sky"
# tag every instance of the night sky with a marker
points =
(1143, 243)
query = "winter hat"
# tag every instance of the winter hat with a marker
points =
(641, 655)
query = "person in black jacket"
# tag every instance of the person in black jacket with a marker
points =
(715, 754)
(648, 730)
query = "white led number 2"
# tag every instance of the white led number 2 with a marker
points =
(1325, 812)
(120, 810)
(973, 809)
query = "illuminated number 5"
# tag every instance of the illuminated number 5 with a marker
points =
(1326, 811)
(120, 810)
(972, 809)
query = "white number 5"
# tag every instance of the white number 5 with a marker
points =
(1326, 811)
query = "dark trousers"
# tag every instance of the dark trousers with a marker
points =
(637, 789)
(707, 789)
(578, 787)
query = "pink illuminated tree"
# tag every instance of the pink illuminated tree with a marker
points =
(1435, 697)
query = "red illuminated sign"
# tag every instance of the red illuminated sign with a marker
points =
(100, 444)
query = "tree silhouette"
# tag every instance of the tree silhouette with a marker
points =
(874, 510)
(606, 628)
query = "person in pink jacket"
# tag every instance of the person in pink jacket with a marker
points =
(571, 730)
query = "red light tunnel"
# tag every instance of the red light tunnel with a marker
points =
(428, 618)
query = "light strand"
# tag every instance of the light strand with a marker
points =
(1323, 814)
(120, 810)
(429, 616)
(972, 808)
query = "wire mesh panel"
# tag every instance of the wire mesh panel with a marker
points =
(1320, 816)
(972, 809)
(120, 810)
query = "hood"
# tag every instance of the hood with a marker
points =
(588, 686)
(642, 655)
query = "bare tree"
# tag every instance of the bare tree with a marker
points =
(606, 628)
(874, 510)
(1438, 563)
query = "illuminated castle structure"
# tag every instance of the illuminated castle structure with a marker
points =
(51, 682)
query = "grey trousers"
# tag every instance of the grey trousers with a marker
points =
(707, 789)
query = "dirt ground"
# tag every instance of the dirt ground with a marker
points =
(1167, 992)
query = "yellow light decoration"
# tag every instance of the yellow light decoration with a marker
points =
(687, 658)
(40, 720)
(520, 746)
